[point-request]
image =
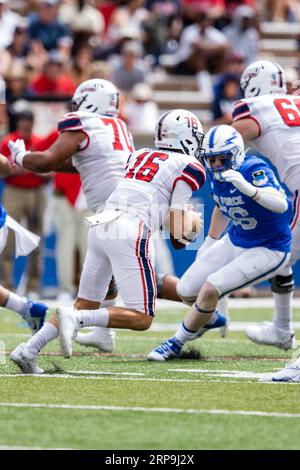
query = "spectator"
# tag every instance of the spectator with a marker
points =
(282, 10)
(24, 198)
(201, 51)
(8, 23)
(16, 92)
(292, 80)
(16, 52)
(130, 15)
(83, 19)
(227, 92)
(82, 64)
(155, 31)
(141, 111)
(131, 70)
(242, 35)
(54, 80)
(48, 30)
(71, 231)
(3, 112)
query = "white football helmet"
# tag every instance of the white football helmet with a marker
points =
(96, 96)
(263, 78)
(225, 143)
(179, 130)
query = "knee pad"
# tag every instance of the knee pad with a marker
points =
(188, 297)
(112, 290)
(282, 284)
(160, 284)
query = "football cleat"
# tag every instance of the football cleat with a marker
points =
(170, 349)
(34, 313)
(291, 373)
(220, 322)
(270, 335)
(25, 361)
(68, 327)
(100, 338)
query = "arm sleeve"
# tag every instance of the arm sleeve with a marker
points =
(70, 122)
(182, 193)
(194, 175)
(241, 110)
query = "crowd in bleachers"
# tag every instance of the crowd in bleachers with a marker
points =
(150, 49)
(47, 47)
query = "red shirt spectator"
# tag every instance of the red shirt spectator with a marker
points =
(25, 179)
(69, 184)
(53, 80)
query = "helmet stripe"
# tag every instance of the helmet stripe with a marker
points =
(211, 137)
(159, 125)
(280, 75)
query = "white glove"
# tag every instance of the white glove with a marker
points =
(17, 150)
(237, 179)
(209, 241)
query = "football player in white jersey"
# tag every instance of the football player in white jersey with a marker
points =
(158, 181)
(270, 119)
(99, 144)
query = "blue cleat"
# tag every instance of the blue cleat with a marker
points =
(34, 313)
(220, 322)
(170, 349)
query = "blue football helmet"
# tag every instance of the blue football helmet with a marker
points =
(223, 150)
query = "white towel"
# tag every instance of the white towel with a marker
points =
(25, 241)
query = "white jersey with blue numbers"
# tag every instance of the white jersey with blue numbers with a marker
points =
(253, 225)
(278, 118)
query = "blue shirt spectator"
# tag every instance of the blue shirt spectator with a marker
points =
(46, 28)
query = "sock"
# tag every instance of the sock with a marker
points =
(98, 317)
(283, 311)
(16, 303)
(46, 334)
(184, 334)
(223, 306)
(213, 318)
(109, 303)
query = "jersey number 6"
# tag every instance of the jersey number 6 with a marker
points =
(289, 110)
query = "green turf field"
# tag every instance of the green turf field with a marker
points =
(121, 401)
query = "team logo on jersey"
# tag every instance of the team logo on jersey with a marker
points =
(259, 178)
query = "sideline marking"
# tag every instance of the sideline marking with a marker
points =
(150, 410)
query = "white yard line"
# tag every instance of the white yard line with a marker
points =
(237, 374)
(92, 372)
(108, 377)
(144, 379)
(150, 410)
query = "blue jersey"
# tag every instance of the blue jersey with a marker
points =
(253, 225)
(2, 216)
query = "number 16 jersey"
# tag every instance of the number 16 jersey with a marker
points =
(278, 118)
(151, 176)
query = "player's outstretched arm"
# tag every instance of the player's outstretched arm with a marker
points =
(248, 128)
(268, 197)
(64, 147)
(5, 166)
